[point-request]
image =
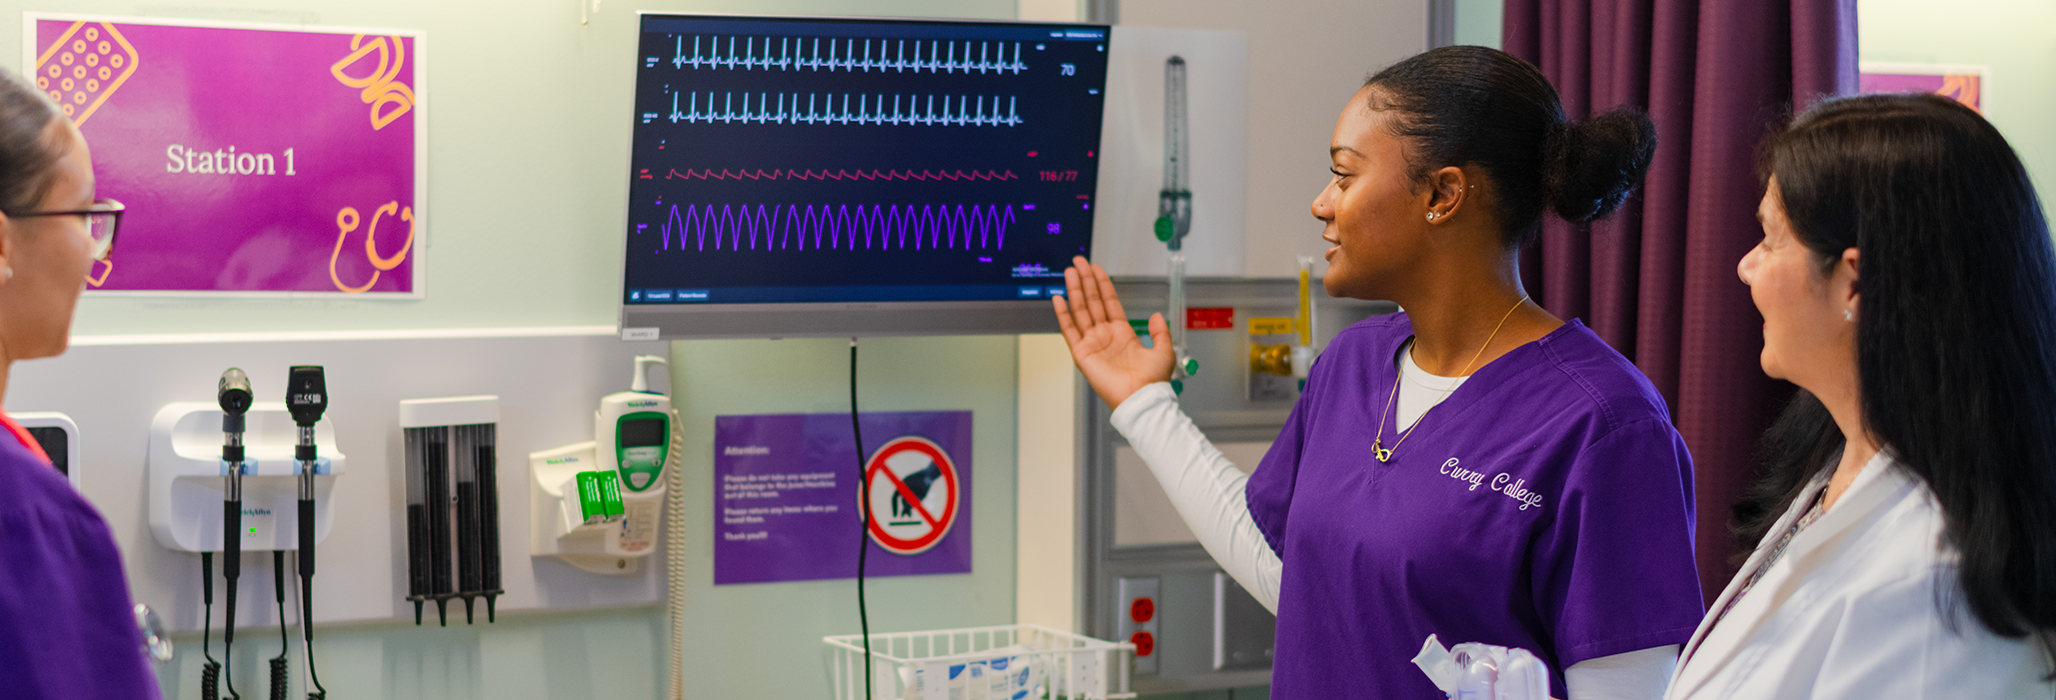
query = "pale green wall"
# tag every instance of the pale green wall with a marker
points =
(764, 641)
(528, 127)
(2011, 37)
(746, 641)
(529, 119)
(1478, 22)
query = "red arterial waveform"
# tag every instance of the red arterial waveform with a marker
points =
(726, 174)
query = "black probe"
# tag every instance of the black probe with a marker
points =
(210, 670)
(306, 398)
(233, 393)
(280, 681)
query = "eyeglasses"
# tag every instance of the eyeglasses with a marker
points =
(101, 221)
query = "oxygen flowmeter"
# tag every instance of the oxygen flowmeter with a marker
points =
(600, 504)
(1174, 214)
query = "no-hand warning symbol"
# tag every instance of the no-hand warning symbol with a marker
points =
(912, 488)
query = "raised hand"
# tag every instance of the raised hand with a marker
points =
(1102, 343)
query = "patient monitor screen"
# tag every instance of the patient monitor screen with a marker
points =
(786, 160)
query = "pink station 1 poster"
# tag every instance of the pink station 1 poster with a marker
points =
(252, 159)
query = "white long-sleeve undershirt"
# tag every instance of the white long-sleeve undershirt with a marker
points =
(1209, 493)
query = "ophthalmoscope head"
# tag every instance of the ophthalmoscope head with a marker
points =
(306, 395)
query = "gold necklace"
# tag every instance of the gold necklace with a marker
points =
(1378, 449)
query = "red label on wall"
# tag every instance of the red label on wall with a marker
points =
(1216, 318)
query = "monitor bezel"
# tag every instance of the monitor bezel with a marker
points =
(836, 319)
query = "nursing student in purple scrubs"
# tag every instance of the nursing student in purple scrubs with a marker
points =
(1474, 467)
(67, 625)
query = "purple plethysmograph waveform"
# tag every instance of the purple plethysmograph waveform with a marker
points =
(836, 227)
(840, 174)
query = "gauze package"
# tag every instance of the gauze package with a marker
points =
(1005, 673)
(1474, 671)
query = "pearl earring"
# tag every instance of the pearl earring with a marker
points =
(7, 274)
(1848, 315)
(1432, 215)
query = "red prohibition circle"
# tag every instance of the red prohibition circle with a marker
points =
(939, 525)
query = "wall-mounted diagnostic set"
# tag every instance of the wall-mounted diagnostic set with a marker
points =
(221, 477)
(453, 503)
(844, 177)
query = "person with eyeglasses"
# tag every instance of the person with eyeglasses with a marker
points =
(67, 624)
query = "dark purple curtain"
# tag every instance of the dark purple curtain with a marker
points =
(1657, 280)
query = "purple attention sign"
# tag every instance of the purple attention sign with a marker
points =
(787, 505)
(252, 159)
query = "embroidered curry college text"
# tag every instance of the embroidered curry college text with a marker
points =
(1505, 484)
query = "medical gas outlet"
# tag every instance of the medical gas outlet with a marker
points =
(600, 504)
(1289, 360)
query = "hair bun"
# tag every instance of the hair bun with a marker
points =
(1590, 167)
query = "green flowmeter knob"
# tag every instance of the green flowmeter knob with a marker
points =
(1164, 228)
(1191, 366)
(1177, 386)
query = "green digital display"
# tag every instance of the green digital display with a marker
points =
(642, 442)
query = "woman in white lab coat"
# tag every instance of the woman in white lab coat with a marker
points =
(1906, 531)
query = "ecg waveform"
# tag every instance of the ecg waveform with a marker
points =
(821, 108)
(912, 175)
(838, 227)
(799, 53)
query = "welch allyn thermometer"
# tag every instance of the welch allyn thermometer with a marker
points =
(306, 398)
(632, 432)
(234, 395)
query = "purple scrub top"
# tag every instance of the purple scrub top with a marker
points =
(67, 624)
(1546, 504)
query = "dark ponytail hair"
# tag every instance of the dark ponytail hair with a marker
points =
(1957, 281)
(26, 152)
(1474, 106)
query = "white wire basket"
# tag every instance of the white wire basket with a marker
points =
(1008, 662)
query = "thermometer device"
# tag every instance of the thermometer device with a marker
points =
(632, 438)
(633, 432)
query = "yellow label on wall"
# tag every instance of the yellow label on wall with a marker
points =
(1277, 325)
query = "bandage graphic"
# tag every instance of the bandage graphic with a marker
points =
(84, 67)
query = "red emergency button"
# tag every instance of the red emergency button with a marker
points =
(1144, 643)
(1142, 610)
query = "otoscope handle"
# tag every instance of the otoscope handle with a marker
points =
(207, 578)
(231, 539)
(306, 556)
